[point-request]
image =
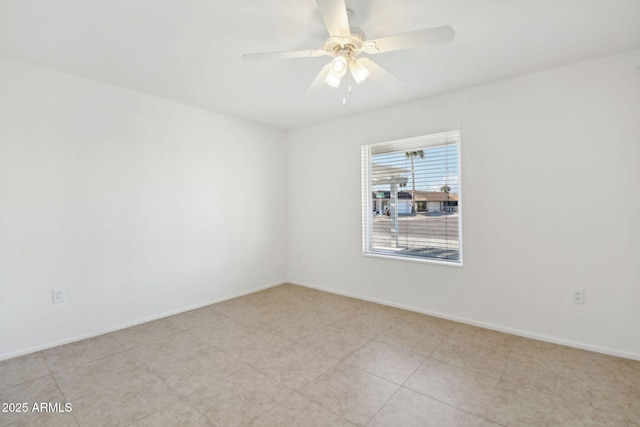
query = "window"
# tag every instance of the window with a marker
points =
(411, 199)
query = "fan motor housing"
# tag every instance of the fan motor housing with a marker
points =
(352, 46)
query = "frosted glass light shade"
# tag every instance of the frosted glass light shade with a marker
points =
(339, 66)
(359, 71)
(333, 80)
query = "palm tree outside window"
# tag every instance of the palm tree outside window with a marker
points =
(412, 155)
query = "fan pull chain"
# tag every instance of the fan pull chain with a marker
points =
(344, 94)
(347, 89)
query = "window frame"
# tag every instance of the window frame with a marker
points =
(404, 145)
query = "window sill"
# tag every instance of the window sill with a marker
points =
(414, 259)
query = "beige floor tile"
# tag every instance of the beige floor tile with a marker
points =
(623, 401)
(48, 420)
(477, 349)
(254, 346)
(283, 324)
(124, 403)
(260, 316)
(488, 361)
(226, 329)
(415, 319)
(294, 366)
(327, 309)
(534, 366)
(573, 373)
(549, 355)
(275, 293)
(297, 305)
(20, 369)
(462, 388)
(90, 377)
(351, 393)
(238, 307)
(240, 340)
(489, 423)
(242, 381)
(294, 356)
(480, 337)
(193, 373)
(170, 350)
(291, 289)
(41, 389)
(370, 320)
(548, 377)
(292, 329)
(523, 406)
(285, 297)
(69, 355)
(180, 414)
(311, 299)
(201, 317)
(239, 398)
(334, 342)
(572, 360)
(416, 332)
(599, 365)
(408, 408)
(625, 370)
(146, 333)
(386, 361)
(320, 314)
(344, 304)
(298, 411)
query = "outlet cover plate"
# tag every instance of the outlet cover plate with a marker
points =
(58, 295)
(578, 296)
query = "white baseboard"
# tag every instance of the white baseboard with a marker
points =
(499, 328)
(108, 330)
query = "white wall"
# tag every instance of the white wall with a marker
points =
(137, 206)
(119, 197)
(568, 138)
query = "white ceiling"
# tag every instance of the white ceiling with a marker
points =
(190, 50)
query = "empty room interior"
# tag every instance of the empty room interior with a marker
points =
(320, 213)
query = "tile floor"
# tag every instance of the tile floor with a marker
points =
(292, 356)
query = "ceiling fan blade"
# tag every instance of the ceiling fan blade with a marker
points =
(410, 40)
(381, 76)
(318, 82)
(334, 15)
(284, 55)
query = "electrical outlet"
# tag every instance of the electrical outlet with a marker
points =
(578, 296)
(58, 295)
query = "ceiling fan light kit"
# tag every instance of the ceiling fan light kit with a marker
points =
(359, 71)
(346, 43)
(339, 66)
(333, 80)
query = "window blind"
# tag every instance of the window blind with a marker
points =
(411, 198)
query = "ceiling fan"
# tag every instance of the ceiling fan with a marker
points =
(346, 44)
